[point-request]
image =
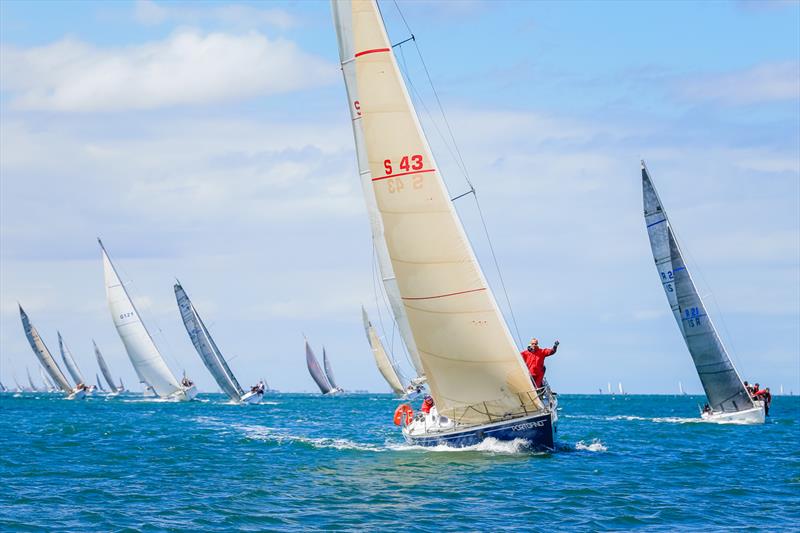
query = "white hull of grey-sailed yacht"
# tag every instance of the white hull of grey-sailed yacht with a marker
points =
(472, 367)
(147, 361)
(210, 353)
(46, 359)
(728, 399)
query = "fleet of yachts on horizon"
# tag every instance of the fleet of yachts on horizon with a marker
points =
(457, 340)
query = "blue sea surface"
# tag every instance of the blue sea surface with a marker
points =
(306, 462)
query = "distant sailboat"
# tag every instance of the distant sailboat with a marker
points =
(46, 359)
(72, 366)
(680, 389)
(145, 357)
(621, 390)
(99, 385)
(34, 388)
(385, 366)
(610, 390)
(471, 363)
(210, 353)
(326, 363)
(101, 362)
(49, 386)
(727, 396)
(316, 372)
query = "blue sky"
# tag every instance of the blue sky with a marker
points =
(209, 141)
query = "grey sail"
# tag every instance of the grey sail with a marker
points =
(101, 362)
(69, 361)
(206, 348)
(328, 370)
(721, 382)
(43, 354)
(316, 372)
(99, 383)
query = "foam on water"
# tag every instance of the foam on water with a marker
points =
(489, 445)
(594, 446)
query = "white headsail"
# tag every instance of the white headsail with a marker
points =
(101, 362)
(206, 347)
(721, 382)
(145, 357)
(471, 363)
(343, 20)
(316, 371)
(69, 361)
(385, 366)
(43, 354)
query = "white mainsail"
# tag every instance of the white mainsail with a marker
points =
(206, 347)
(472, 366)
(145, 357)
(43, 354)
(316, 371)
(69, 361)
(385, 366)
(101, 362)
(721, 382)
(343, 21)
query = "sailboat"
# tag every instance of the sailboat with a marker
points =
(101, 362)
(728, 398)
(34, 388)
(680, 389)
(619, 387)
(49, 386)
(210, 353)
(471, 364)
(385, 366)
(317, 374)
(72, 366)
(326, 363)
(147, 361)
(46, 359)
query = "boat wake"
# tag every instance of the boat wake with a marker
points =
(594, 446)
(488, 445)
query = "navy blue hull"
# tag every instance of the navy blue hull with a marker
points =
(538, 430)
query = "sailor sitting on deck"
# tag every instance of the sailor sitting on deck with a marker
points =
(534, 359)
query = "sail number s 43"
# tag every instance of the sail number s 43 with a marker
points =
(408, 164)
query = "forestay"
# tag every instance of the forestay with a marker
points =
(385, 366)
(69, 361)
(43, 354)
(473, 368)
(205, 346)
(721, 382)
(342, 15)
(316, 372)
(101, 362)
(142, 351)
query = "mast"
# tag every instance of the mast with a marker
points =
(145, 357)
(42, 353)
(316, 372)
(387, 370)
(721, 383)
(209, 352)
(69, 361)
(471, 363)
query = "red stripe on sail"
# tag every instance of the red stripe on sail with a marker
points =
(442, 295)
(404, 174)
(373, 51)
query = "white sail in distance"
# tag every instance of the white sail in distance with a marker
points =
(101, 362)
(721, 383)
(34, 388)
(471, 363)
(43, 353)
(385, 366)
(69, 361)
(209, 353)
(343, 21)
(145, 357)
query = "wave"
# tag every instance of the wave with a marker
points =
(489, 445)
(595, 446)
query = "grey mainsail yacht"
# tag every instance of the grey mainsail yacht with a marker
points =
(470, 361)
(728, 398)
(147, 360)
(210, 353)
(326, 363)
(317, 373)
(114, 390)
(46, 359)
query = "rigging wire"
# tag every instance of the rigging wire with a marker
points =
(459, 159)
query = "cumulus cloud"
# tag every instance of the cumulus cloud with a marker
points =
(151, 13)
(764, 83)
(188, 67)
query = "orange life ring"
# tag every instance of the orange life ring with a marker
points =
(403, 415)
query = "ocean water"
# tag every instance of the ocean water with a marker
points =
(304, 462)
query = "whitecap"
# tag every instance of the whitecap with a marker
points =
(489, 444)
(594, 446)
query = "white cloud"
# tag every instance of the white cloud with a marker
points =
(188, 67)
(767, 82)
(151, 13)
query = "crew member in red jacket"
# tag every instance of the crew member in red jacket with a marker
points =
(427, 404)
(534, 359)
